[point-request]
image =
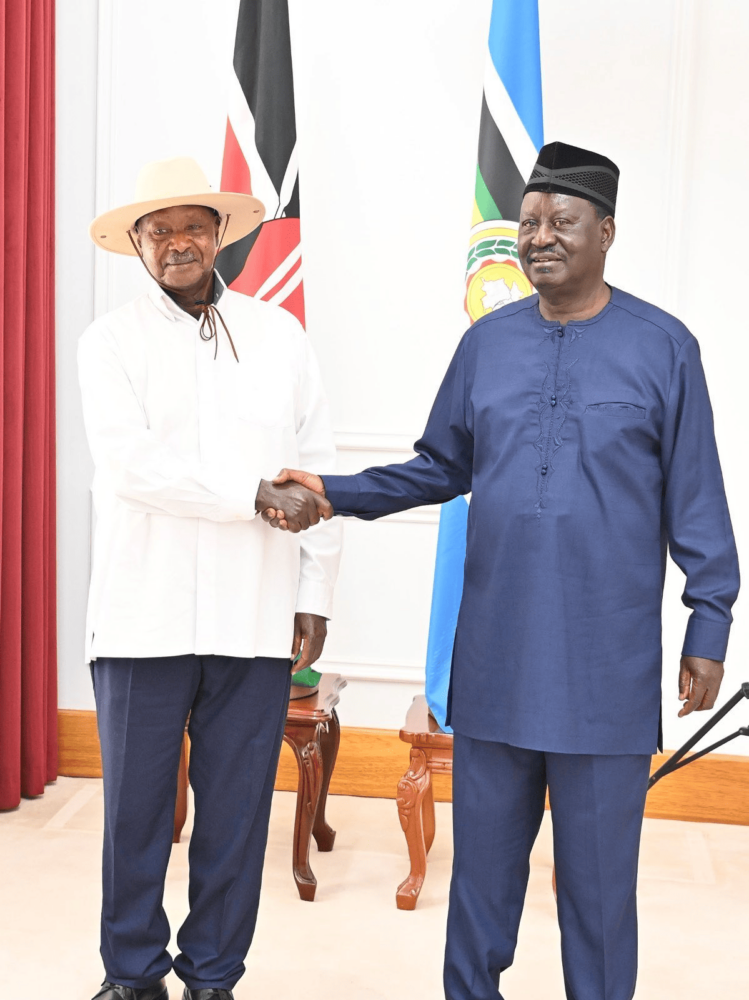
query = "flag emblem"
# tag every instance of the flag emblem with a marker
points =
(493, 273)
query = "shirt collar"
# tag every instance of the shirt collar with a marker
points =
(169, 308)
(548, 324)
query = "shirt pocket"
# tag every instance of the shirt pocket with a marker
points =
(616, 409)
(620, 433)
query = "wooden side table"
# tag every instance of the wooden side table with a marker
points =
(431, 750)
(313, 732)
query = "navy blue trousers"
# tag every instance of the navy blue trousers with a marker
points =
(597, 805)
(237, 710)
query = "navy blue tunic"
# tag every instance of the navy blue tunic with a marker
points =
(589, 450)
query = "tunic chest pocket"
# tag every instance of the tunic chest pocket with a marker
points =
(631, 410)
(622, 431)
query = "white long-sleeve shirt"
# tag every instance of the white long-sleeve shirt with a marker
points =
(180, 442)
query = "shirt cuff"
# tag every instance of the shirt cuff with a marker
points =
(314, 599)
(342, 492)
(236, 492)
(706, 639)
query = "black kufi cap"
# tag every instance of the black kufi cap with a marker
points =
(579, 172)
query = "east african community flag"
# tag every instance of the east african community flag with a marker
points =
(260, 157)
(510, 136)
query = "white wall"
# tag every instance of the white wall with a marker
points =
(76, 186)
(388, 101)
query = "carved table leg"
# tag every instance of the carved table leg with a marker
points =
(412, 789)
(427, 810)
(305, 742)
(180, 811)
(329, 742)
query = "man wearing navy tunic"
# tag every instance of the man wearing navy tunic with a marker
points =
(579, 419)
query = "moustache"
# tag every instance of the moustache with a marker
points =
(534, 254)
(182, 258)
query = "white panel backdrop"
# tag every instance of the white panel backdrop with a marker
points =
(388, 102)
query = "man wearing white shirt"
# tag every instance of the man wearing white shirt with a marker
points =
(194, 396)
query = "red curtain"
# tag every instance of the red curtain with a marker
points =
(28, 668)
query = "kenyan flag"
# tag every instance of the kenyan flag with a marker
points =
(260, 157)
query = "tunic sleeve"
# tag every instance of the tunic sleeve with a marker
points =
(695, 510)
(441, 471)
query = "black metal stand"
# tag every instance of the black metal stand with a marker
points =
(679, 759)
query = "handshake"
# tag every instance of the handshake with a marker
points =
(293, 501)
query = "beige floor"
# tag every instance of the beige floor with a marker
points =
(694, 909)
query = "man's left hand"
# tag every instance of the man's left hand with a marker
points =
(699, 683)
(309, 637)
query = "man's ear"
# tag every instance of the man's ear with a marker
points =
(608, 233)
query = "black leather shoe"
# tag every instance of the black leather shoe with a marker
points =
(114, 991)
(209, 994)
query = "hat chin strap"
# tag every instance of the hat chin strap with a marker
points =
(208, 330)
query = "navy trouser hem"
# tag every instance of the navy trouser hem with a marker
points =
(137, 984)
(212, 984)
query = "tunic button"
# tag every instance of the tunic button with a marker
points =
(544, 469)
(560, 332)
(553, 400)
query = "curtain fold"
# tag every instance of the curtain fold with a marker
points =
(28, 638)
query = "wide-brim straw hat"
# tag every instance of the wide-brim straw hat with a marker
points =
(164, 184)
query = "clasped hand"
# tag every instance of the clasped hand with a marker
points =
(293, 501)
